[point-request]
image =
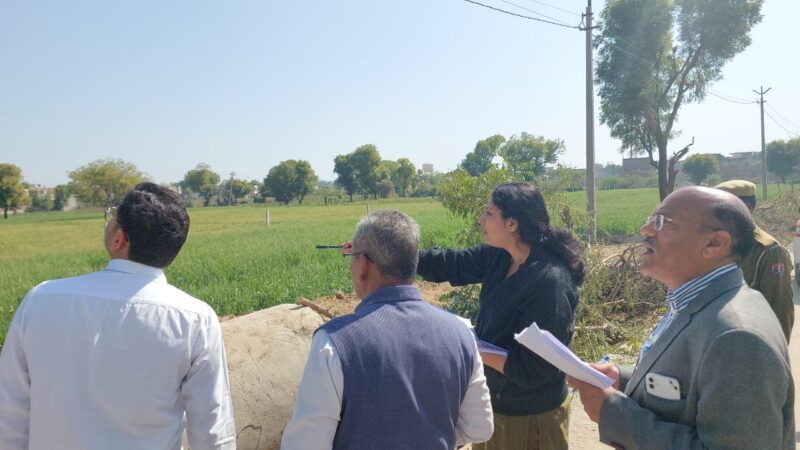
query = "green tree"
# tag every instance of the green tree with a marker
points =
(61, 197)
(234, 189)
(305, 180)
(480, 159)
(105, 181)
(656, 55)
(346, 175)
(290, 179)
(527, 155)
(699, 167)
(465, 196)
(783, 158)
(203, 181)
(12, 192)
(40, 201)
(403, 176)
(366, 161)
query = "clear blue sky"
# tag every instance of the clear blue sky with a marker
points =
(244, 85)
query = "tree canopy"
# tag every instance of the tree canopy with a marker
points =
(12, 191)
(783, 158)
(699, 167)
(403, 176)
(234, 189)
(290, 180)
(480, 159)
(359, 171)
(527, 155)
(202, 181)
(105, 181)
(656, 55)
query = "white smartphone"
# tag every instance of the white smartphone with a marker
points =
(662, 386)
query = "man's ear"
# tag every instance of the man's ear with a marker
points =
(119, 242)
(719, 244)
(363, 266)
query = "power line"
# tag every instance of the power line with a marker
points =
(520, 15)
(532, 11)
(781, 116)
(744, 100)
(555, 7)
(791, 133)
(729, 100)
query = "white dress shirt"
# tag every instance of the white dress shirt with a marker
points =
(113, 360)
(319, 402)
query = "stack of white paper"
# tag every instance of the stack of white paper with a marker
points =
(553, 351)
(483, 346)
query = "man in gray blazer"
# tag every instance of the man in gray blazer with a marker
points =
(715, 371)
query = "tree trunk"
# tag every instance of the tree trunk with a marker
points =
(663, 176)
(5, 212)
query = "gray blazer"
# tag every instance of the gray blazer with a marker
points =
(728, 354)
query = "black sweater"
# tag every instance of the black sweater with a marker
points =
(541, 290)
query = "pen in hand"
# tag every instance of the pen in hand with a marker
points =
(320, 246)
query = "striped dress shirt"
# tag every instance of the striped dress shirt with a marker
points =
(680, 298)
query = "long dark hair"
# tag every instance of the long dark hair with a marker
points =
(524, 203)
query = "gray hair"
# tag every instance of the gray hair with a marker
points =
(391, 240)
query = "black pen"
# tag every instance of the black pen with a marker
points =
(328, 246)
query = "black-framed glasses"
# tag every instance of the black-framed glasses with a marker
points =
(657, 220)
(110, 213)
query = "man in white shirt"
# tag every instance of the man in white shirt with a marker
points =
(118, 359)
(398, 373)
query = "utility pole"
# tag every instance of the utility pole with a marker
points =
(230, 189)
(763, 145)
(590, 184)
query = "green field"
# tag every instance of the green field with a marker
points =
(236, 263)
(231, 259)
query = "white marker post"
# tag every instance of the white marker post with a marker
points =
(267, 217)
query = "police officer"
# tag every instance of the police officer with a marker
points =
(767, 267)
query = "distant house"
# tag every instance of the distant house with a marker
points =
(637, 166)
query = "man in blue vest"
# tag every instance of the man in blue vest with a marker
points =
(398, 373)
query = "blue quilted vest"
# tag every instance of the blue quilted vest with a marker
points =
(406, 367)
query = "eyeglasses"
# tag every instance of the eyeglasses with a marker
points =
(657, 220)
(110, 213)
(356, 254)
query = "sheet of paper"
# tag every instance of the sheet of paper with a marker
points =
(488, 347)
(553, 351)
(483, 346)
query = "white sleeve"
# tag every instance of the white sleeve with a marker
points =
(475, 420)
(15, 389)
(319, 399)
(206, 393)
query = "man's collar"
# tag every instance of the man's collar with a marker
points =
(391, 294)
(134, 268)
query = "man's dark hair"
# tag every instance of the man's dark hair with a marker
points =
(735, 218)
(156, 223)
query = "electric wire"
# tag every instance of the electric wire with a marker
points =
(782, 117)
(791, 133)
(728, 99)
(532, 11)
(520, 15)
(555, 7)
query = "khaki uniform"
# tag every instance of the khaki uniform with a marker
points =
(768, 269)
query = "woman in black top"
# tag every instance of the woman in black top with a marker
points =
(530, 272)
